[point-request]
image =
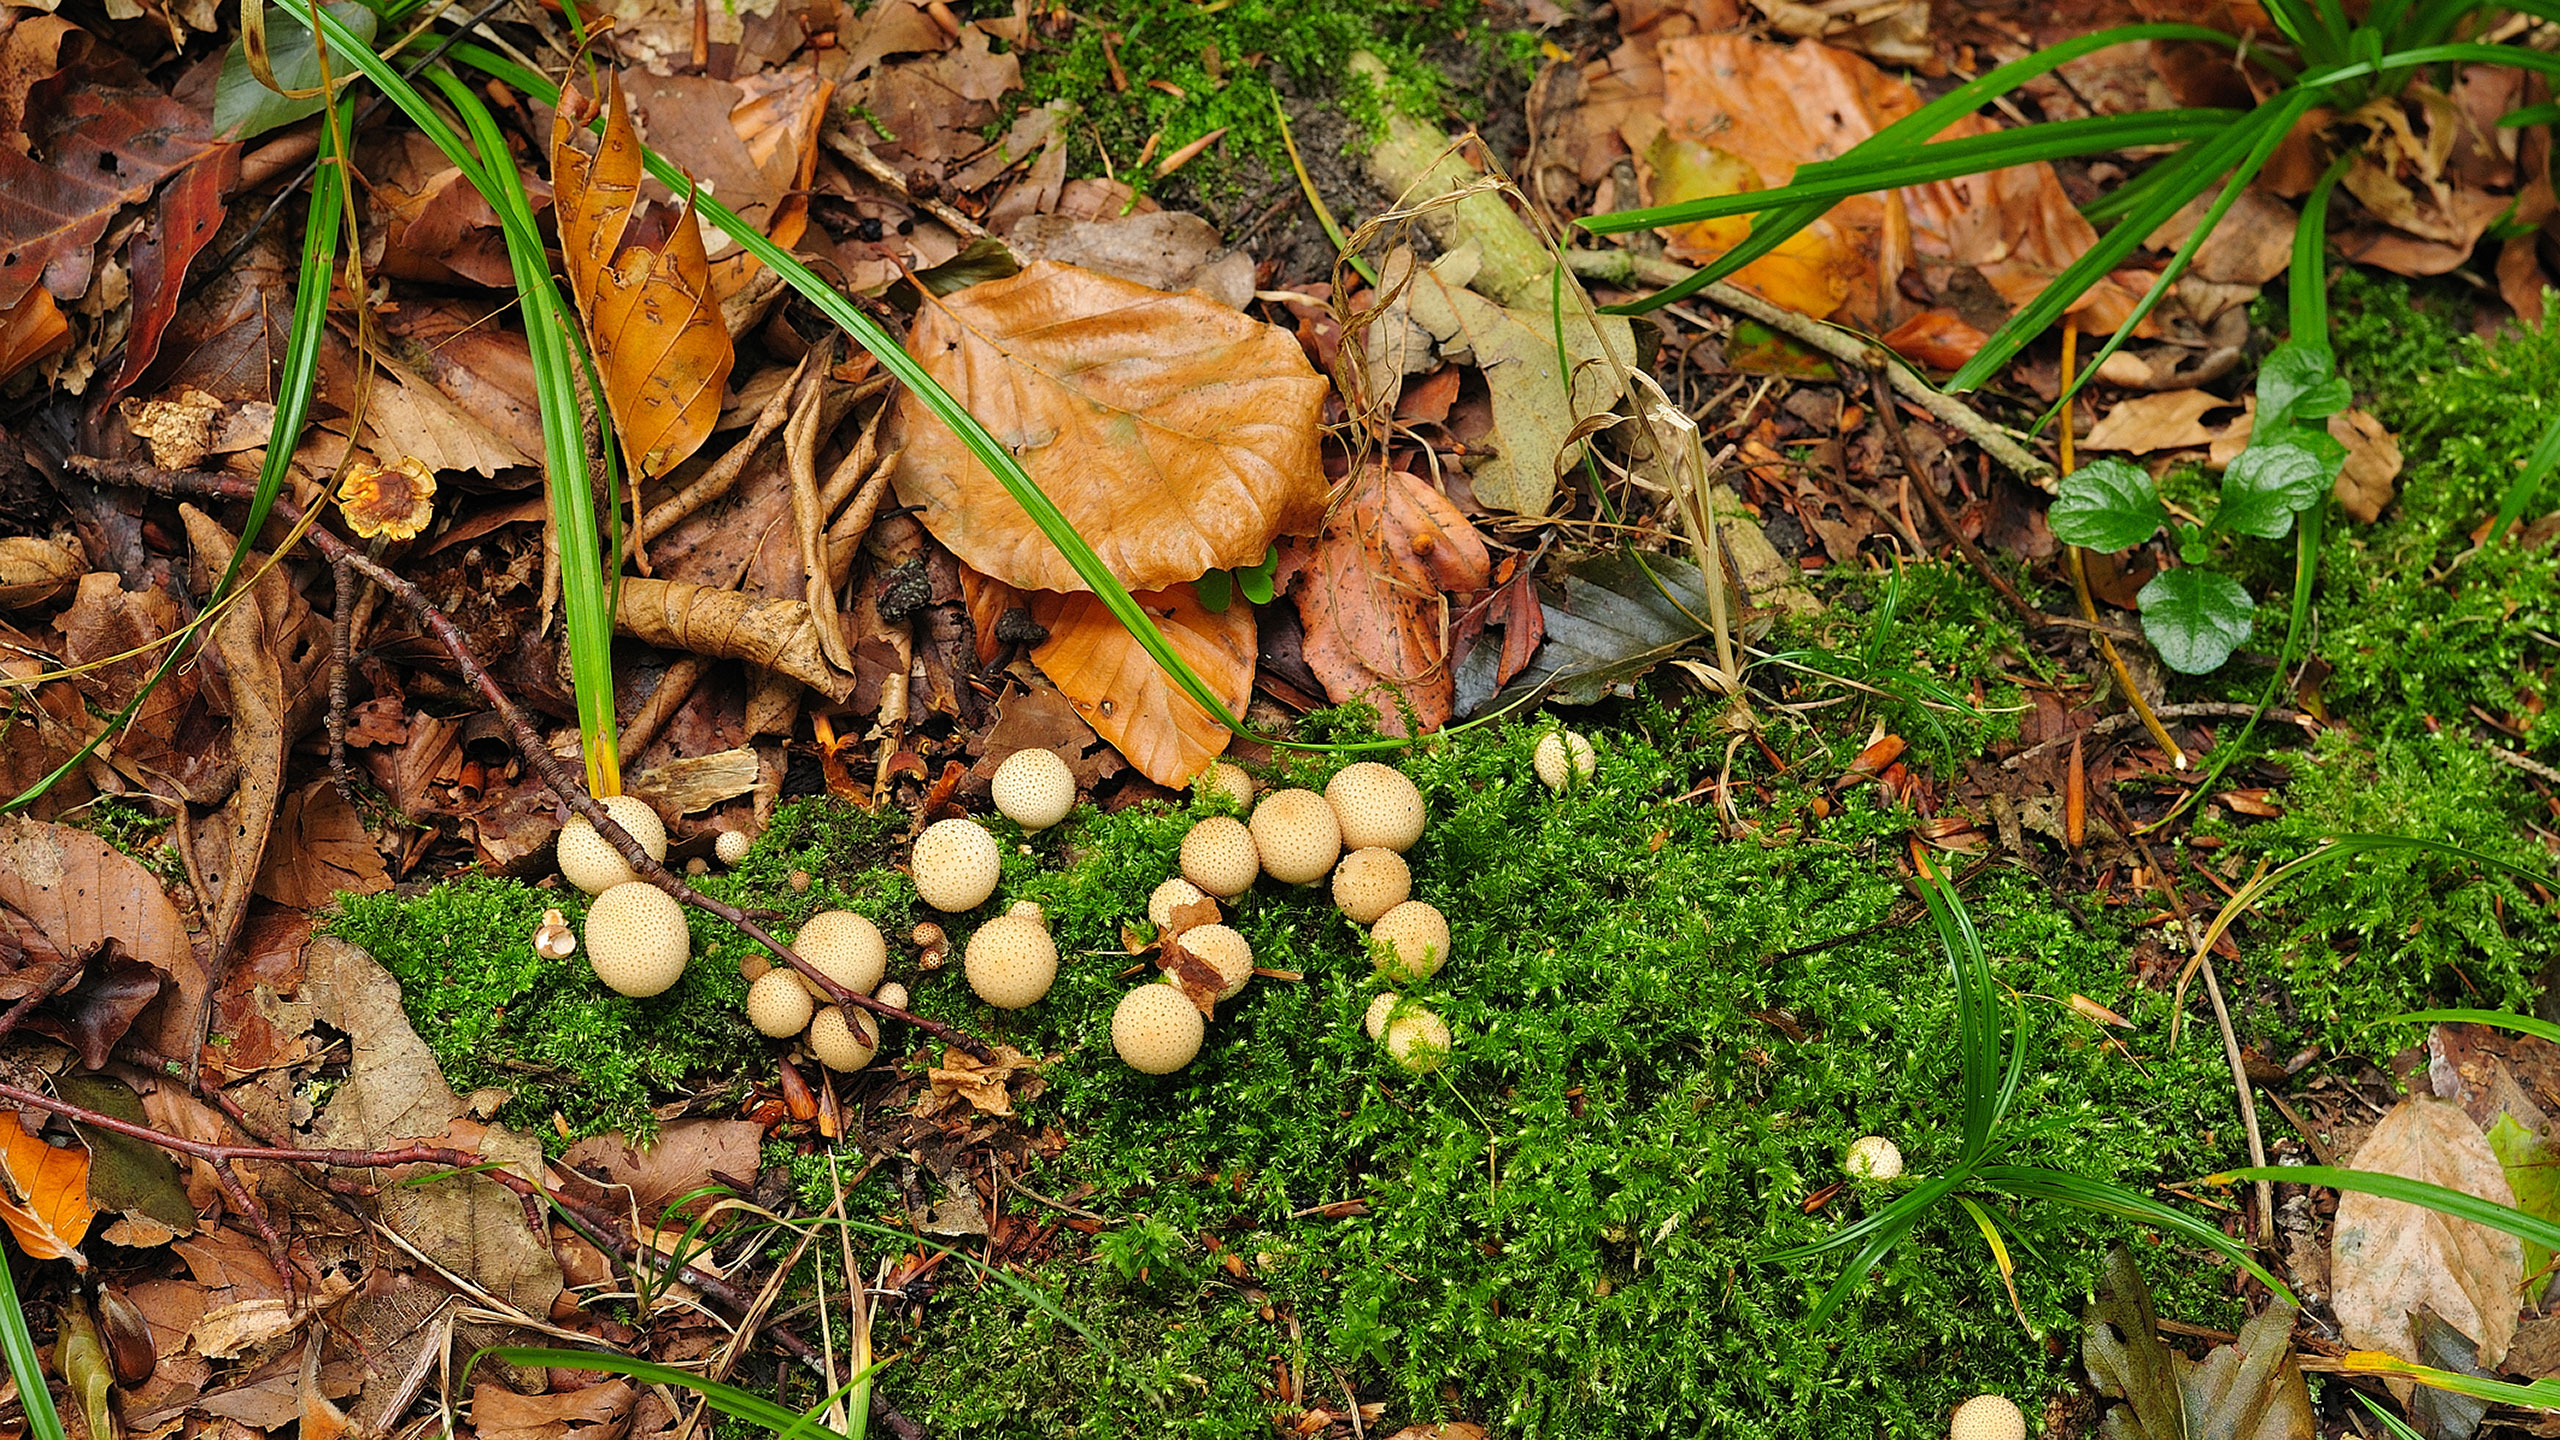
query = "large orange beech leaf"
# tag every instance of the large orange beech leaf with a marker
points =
(1178, 436)
(1119, 691)
(1370, 594)
(44, 1195)
(644, 285)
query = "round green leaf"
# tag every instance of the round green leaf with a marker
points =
(2195, 617)
(2106, 505)
(2267, 485)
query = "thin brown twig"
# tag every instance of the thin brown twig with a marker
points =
(1890, 417)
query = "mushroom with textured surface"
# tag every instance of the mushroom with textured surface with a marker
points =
(1411, 941)
(732, 846)
(846, 948)
(1377, 806)
(1224, 951)
(1157, 1029)
(1011, 962)
(1873, 1157)
(1224, 778)
(894, 995)
(1375, 1022)
(1218, 855)
(1563, 757)
(957, 864)
(778, 1005)
(1034, 788)
(553, 939)
(1297, 836)
(1988, 1417)
(591, 863)
(636, 939)
(1369, 883)
(1419, 1041)
(843, 1043)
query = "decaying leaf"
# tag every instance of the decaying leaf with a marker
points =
(687, 1155)
(644, 286)
(2387, 1258)
(80, 891)
(44, 1194)
(1178, 436)
(1121, 693)
(1618, 620)
(131, 1178)
(80, 1357)
(36, 571)
(2372, 470)
(1370, 595)
(2251, 1390)
(597, 1412)
(987, 1088)
(2169, 420)
(321, 851)
(727, 625)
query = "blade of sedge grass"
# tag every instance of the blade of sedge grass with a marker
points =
(26, 1363)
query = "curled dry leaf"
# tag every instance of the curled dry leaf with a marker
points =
(2170, 420)
(1121, 693)
(1176, 435)
(2372, 471)
(81, 892)
(1370, 596)
(651, 316)
(725, 625)
(2387, 1258)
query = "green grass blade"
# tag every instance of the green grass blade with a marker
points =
(2308, 302)
(728, 1399)
(2441, 1199)
(1864, 1262)
(2520, 493)
(2521, 1024)
(2036, 1182)
(2133, 194)
(2392, 1424)
(26, 1364)
(1904, 1210)
(1836, 180)
(2542, 1394)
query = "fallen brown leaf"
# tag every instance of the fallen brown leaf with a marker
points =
(1118, 689)
(79, 892)
(687, 1155)
(1370, 596)
(2165, 420)
(985, 1087)
(2372, 471)
(597, 1412)
(2387, 1258)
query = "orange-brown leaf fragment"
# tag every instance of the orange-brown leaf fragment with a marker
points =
(1176, 435)
(44, 1194)
(1120, 692)
(1370, 596)
(643, 284)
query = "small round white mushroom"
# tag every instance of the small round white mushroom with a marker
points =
(1225, 951)
(1224, 777)
(732, 846)
(1297, 836)
(1375, 1022)
(1411, 941)
(1419, 1041)
(1219, 856)
(894, 995)
(553, 939)
(1873, 1157)
(1011, 962)
(1029, 910)
(957, 864)
(1377, 806)
(1170, 896)
(778, 1005)
(636, 939)
(1564, 757)
(1157, 1029)
(1034, 788)
(846, 948)
(594, 866)
(1988, 1417)
(841, 1043)
(1369, 883)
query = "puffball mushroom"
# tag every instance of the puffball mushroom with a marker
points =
(1170, 896)
(1011, 962)
(1563, 757)
(1157, 1029)
(636, 939)
(844, 947)
(778, 1005)
(553, 939)
(1224, 950)
(594, 866)
(894, 995)
(1034, 788)
(842, 1044)
(1029, 910)
(1219, 856)
(1369, 883)
(1411, 941)
(957, 864)
(1988, 1417)
(732, 846)
(1873, 1157)
(1419, 1041)
(1297, 836)
(1375, 1022)
(1377, 806)
(1224, 777)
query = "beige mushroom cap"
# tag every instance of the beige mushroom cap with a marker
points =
(1369, 883)
(1225, 950)
(957, 864)
(1219, 856)
(1029, 910)
(594, 866)
(1563, 757)
(1170, 896)
(1419, 1041)
(1375, 1022)
(846, 948)
(1411, 941)
(778, 1005)
(842, 1044)
(1297, 836)
(1012, 962)
(1988, 1417)
(732, 846)
(1873, 1157)
(636, 939)
(1377, 806)
(1034, 788)
(1225, 777)
(894, 995)
(1157, 1029)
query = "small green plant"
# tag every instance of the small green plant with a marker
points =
(1139, 1248)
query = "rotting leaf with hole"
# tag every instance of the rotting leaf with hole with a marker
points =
(44, 1194)
(1121, 693)
(2251, 1390)
(643, 283)
(2388, 1257)
(1370, 589)
(1177, 436)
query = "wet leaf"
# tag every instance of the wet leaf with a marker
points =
(1370, 596)
(2251, 1390)
(44, 1194)
(1117, 689)
(1176, 435)
(643, 284)
(2388, 1258)
(2196, 617)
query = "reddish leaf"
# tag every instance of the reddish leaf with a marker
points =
(99, 1010)
(183, 222)
(1937, 339)
(1370, 596)
(99, 138)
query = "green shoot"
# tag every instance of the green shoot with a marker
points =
(26, 1363)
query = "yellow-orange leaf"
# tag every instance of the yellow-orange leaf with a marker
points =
(644, 286)
(1119, 691)
(1178, 436)
(44, 1194)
